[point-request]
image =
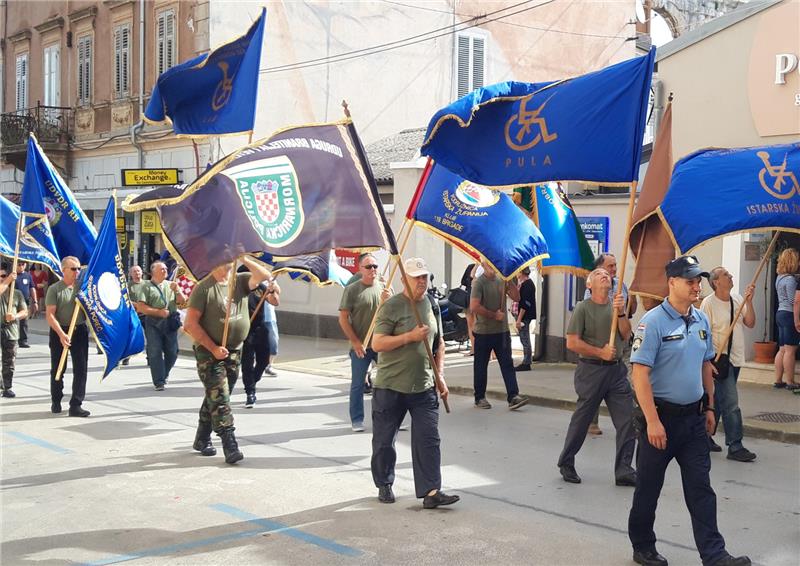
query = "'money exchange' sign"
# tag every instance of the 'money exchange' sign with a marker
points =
(150, 177)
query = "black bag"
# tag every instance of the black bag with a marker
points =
(173, 321)
(723, 364)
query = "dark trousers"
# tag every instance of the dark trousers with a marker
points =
(23, 326)
(255, 357)
(8, 352)
(687, 443)
(500, 344)
(388, 410)
(79, 351)
(593, 384)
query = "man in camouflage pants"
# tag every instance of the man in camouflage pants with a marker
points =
(218, 363)
(9, 327)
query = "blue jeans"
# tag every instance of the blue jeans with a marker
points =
(358, 373)
(726, 400)
(162, 351)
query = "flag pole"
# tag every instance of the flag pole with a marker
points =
(761, 265)
(626, 244)
(14, 265)
(231, 285)
(400, 234)
(196, 159)
(65, 351)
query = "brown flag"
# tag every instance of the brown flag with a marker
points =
(650, 242)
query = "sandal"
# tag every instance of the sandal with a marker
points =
(779, 385)
(793, 386)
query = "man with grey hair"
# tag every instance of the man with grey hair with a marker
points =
(720, 308)
(600, 375)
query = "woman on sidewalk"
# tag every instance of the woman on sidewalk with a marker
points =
(788, 335)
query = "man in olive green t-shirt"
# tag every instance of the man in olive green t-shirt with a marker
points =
(9, 327)
(488, 302)
(360, 300)
(135, 284)
(218, 363)
(405, 382)
(60, 305)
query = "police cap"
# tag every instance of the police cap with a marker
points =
(686, 267)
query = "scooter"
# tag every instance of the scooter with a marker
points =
(452, 306)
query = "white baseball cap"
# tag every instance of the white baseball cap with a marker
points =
(416, 266)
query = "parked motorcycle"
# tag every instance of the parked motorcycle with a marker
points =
(452, 306)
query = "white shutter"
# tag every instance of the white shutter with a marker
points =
(463, 66)
(126, 60)
(52, 76)
(170, 40)
(122, 36)
(477, 62)
(22, 82)
(470, 63)
(85, 70)
(160, 43)
(166, 44)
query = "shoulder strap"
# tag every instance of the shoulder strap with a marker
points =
(730, 338)
(160, 292)
(435, 309)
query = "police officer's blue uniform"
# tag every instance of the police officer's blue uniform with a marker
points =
(675, 348)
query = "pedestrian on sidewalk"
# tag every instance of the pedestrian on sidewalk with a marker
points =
(40, 278)
(720, 307)
(26, 286)
(256, 348)
(488, 302)
(526, 313)
(405, 382)
(357, 308)
(60, 304)
(9, 327)
(157, 301)
(135, 285)
(786, 319)
(218, 363)
(672, 354)
(600, 375)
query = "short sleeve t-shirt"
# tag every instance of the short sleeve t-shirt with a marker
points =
(63, 298)
(361, 301)
(592, 322)
(490, 294)
(10, 330)
(210, 298)
(406, 369)
(158, 296)
(786, 286)
(135, 290)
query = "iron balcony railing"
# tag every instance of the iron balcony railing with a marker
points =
(50, 124)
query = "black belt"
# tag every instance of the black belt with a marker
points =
(675, 410)
(595, 362)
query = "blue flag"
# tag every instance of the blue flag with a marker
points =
(484, 221)
(28, 250)
(214, 93)
(566, 243)
(587, 129)
(104, 296)
(714, 192)
(52, 217)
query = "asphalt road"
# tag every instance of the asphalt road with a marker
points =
(124, 484)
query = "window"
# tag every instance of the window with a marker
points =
(22, 82)
(122, 60)
(166, 44)
(470, 63)
(85, 70)
(52, 76)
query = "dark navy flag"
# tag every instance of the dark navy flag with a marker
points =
(481, 219)
(104, 296)
(587, 129)
(298, 192)
(214, 93)
(566, 243)
(322, 269)
(28, 250)
(714, 192)
(51, 215)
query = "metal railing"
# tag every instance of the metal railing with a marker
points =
(50, 124)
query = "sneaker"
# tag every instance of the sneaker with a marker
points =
(23, 345)
(483, 404)
(8, 393)
(160, 387)
(251, 400)
(439, 498)
(78, 412)
(594, 430)
(517, 401)
(385, 494)
(779, 385)
(523, 367)
(569, 474)
(741, 455)
(626, 481)
(270, 372)
(358, 427)
(713, 446)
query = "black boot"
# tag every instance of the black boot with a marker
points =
(229, 445)
(202, 440)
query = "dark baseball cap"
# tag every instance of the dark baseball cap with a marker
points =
(686, 267)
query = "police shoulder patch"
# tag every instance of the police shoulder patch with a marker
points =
(637, 342)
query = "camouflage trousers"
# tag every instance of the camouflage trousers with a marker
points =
(215, 375)
(8, 351)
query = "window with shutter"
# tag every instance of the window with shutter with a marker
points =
(470, 63)
(85, 70)
(52, 76)
(22, 82)
(122, 71)
(166, 41)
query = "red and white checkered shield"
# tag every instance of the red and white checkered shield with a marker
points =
(267, 203)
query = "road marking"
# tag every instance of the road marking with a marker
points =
(269, 525)
(38, 442)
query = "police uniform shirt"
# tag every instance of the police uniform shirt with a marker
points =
(675, 350)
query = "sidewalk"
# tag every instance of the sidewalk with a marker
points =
(767, 413)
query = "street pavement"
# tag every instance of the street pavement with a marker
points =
(125, 486)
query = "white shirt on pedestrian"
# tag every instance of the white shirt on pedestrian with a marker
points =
(719, 313)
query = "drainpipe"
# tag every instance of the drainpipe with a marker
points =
(140, 124)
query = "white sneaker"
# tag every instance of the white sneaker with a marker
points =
(358, 427)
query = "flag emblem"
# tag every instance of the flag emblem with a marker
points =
(52, 210)
(270, 195)
(476, 195)
(779, 177)
(109, 291)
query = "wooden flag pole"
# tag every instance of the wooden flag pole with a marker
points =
(196, 159)
(231, 288)
(65, 351)
(14, 265)
(419, 323)
(761, 265)
(621, 271)
(400, 235)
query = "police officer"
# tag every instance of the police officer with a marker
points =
(671, 359)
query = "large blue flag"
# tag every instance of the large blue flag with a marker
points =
(214, 93)
(481, 220)
(28, 250)
(566, 243)
(587, 129)
(714, 192)
(104, 296)
(52, 217)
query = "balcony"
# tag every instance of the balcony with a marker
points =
(52, 126)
